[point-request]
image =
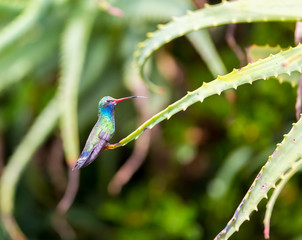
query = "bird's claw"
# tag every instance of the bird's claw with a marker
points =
(111, 146)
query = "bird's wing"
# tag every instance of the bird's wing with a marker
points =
(88, 157)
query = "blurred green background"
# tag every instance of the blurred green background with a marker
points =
(199, 164)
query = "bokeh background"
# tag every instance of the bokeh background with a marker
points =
(192, 170)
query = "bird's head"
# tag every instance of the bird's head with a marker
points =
(108, 104)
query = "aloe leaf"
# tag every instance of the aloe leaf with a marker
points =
(75, 39)
(202, 42)
(219, 14)
(255, 52)
(162, 11)
(18, 63)
(44, 124)
(283, 62)
(238, 159)
(26, 20)
(98, 57)
(270, 205)
(284, 158)
(152, 11)
(10, 6)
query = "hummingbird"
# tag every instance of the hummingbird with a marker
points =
(102, 131)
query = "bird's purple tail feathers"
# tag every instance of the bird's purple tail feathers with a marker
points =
(88, 157)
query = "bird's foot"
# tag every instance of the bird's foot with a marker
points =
(111, 146)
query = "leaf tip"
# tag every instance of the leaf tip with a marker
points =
(266, 231)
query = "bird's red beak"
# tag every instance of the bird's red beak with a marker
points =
(122, 99)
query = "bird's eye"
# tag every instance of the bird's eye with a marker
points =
(108, 101)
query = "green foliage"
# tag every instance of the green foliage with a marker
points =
(224, 13)
(74, 37)
(58, 58)
(262, 69)
(159, 220)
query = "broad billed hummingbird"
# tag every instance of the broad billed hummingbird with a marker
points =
(101, 133)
